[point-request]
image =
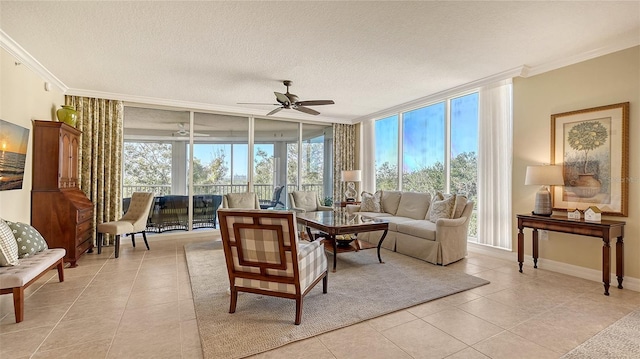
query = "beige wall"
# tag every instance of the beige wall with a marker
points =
(609, 79)
(22, 99)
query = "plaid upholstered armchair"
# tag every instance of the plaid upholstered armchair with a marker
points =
(264, 256)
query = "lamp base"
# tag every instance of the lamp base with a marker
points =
(541, 214)
(543, 203)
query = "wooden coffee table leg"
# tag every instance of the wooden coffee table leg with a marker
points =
(380, 244)
(334, 243)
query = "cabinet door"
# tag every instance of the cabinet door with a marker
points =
(68, 160)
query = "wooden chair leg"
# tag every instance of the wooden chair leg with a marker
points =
(18, 303)
(61, 270)
(117, 245)
(234, 300)
(325, 281)
(298, 310)
(144, 236)
(99, 240)
(133, 239)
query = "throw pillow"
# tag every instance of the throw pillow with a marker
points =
(458, 208)
(442, 209)
(8, 246)
(370, 202)
(436, 197)
(29, 240)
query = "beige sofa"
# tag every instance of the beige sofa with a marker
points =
(411, 232)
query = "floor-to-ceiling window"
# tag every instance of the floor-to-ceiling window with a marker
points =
(190, 159)
(438, 147)
(386, 153)
(423, 146)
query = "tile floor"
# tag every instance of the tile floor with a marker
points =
(140, 306)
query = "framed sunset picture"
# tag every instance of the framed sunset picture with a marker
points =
(13, 154)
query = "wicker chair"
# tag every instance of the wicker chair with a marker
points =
(264, 256)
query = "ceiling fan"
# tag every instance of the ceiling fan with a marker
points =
(182, 131)
(290, 101)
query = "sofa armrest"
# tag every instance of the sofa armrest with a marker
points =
(325, 208)
(452, 234)
(352, 208)
(299, 210)
(451, 222)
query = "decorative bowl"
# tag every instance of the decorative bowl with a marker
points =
(345, 240)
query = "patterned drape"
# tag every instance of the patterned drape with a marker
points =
(344, 153)
(101, 123)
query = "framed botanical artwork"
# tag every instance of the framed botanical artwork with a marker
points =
(592, 145)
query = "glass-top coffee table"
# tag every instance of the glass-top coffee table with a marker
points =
(334, 224)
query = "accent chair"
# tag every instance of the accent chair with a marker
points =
(264, 256)
(242, 200)
(307, 201)
(134, 221)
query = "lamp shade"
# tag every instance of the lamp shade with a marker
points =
(351, 176)
(544, 176)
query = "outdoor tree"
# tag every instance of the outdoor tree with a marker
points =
(147, 163)
(263, 168)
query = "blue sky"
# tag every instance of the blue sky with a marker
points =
(423, 133)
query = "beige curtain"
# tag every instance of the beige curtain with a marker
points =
(344, 156)
(101, 123)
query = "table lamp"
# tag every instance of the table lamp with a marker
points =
(544, 176)
(350, 177)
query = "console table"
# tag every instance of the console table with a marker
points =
(604, 229)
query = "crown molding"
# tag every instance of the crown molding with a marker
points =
(520, 71)
(25, 58)
(622, 44)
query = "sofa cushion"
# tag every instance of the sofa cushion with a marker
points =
(241, 200)
(442, 209)
(414, 205)
(29, 240)
(420, 228)
(370, 202)
(390, 201)
(8, 246)
(394, 221)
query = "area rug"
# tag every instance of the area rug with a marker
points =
(361, 289)
(619, 340)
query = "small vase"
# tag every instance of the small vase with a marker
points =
(68, 115)
(586, 186)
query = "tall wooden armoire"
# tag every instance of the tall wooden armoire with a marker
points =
(60, 211)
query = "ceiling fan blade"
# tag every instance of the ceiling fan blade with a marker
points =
(315, 103)
(307, 110)
(282, 98)
(274, 111)
(257, 103)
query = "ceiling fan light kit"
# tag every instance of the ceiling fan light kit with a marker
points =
(291, 101)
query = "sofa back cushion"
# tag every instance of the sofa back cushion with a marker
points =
(390, 201)
(414, 205)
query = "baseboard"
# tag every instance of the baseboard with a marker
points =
(630, 283)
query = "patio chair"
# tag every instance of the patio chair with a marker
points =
(264, 256)
(275, 200)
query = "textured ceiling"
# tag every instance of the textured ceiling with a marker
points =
(366, 56)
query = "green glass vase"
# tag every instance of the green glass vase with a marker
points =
(68, 115)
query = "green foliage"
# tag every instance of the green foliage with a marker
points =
(263, 168)
(464, 173)
(328, 201)
(585, 137)
(147, 163)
